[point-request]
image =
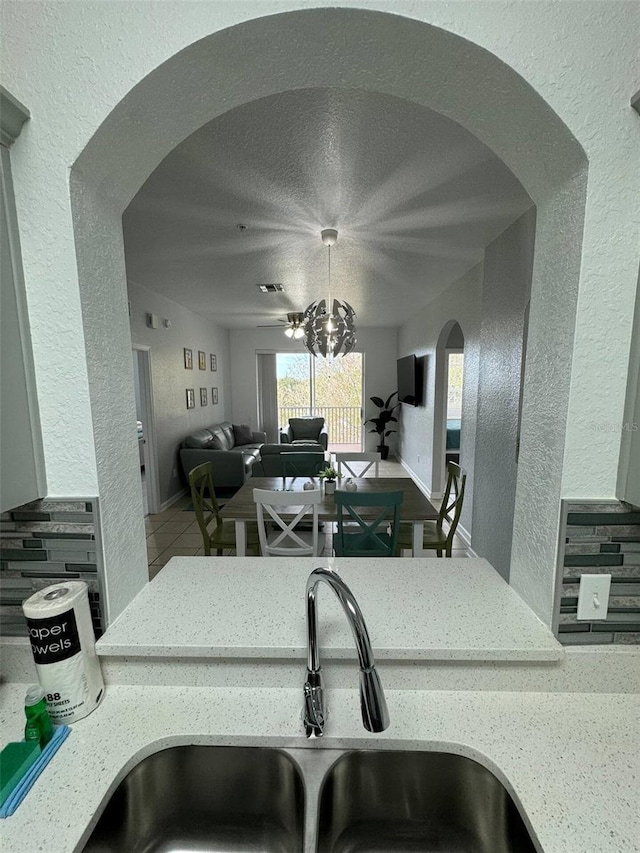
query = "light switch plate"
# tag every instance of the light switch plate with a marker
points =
(593, 598)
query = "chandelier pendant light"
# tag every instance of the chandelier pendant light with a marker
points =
(329, 327)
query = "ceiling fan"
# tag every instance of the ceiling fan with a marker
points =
(294, 325)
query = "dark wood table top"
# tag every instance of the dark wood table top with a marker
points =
(415, 506)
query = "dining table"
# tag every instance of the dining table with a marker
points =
(415, 508)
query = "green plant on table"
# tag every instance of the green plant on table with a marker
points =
(329, 473)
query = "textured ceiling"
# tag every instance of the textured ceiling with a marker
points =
(415, 199)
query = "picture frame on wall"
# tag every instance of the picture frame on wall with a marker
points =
(203, 396)
(202, 360)
(191, 398)
(188, 359)
(214, 362)
(214, 396)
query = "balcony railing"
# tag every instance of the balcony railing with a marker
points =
(344, 423)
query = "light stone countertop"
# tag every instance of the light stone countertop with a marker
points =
(415, 609)
(572, 761)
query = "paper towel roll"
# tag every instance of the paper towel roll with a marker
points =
(63, 647)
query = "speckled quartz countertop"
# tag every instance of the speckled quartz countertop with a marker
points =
(569, 753)
(418, 609)
(571, 761)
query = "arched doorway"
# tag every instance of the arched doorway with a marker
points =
(447, 421)
(393, 55)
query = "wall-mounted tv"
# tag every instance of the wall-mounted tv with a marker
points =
(408, 385)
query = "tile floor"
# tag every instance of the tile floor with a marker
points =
(175, 532)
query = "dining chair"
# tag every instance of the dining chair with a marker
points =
(283, 537)
(435, 537)
(205, 504)
(370, 459)
(367, 538)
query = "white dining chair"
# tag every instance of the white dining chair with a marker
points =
(369, 459)
(284, 537)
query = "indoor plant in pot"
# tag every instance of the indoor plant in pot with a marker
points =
(329, 475)
(382, 421)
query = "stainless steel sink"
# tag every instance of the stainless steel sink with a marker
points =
(215, 799)
(205, 798)
(381, 802)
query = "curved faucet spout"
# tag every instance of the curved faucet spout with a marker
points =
(375, 715)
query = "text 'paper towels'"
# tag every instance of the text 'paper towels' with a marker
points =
(63, 647)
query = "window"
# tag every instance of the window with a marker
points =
(330, 388)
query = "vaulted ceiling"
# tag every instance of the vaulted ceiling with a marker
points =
(414, 196)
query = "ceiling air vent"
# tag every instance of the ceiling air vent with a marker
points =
(271, 288)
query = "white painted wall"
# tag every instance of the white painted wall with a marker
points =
(629, 470)
(136, 388)
(379, 345)
(173, 422)
(82, 50)
(72, 64)
(489, 304)
(505, 291)
(461, 302)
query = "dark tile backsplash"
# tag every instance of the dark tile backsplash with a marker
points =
(600, 537)
(42, 543)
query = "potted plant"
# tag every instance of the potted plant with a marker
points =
(329, 475)
(382, 421)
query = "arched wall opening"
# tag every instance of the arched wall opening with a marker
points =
(333, 48)
(451, 337)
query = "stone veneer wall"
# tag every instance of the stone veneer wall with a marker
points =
(599, 537)
(45, 542)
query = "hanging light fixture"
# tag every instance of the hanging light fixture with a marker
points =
(295, 329)
(329, 328)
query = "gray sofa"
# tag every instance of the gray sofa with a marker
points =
(309, 459)
(232, 461)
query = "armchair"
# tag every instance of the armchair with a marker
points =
(305, 430)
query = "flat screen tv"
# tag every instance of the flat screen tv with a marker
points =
(407, 381)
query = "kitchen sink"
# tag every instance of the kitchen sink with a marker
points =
(205, 798)
(381, 802)
(221, 799)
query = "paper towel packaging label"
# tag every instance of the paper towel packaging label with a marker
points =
(55, 638)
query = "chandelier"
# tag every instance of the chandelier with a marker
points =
(329, 328)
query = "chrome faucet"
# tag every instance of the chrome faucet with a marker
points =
(375, 715)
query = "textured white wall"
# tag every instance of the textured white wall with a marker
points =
(380, 347)
(109, 369)
(541, 463)
(173, 421)
(462, 303)
(505, 292)
(72, 63)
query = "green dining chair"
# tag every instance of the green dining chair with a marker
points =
(367, 538)
(223, 533)
(435, 537)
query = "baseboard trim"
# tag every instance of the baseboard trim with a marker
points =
(426, 491)
(173, 499)
(461, 531)
(466, 538)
